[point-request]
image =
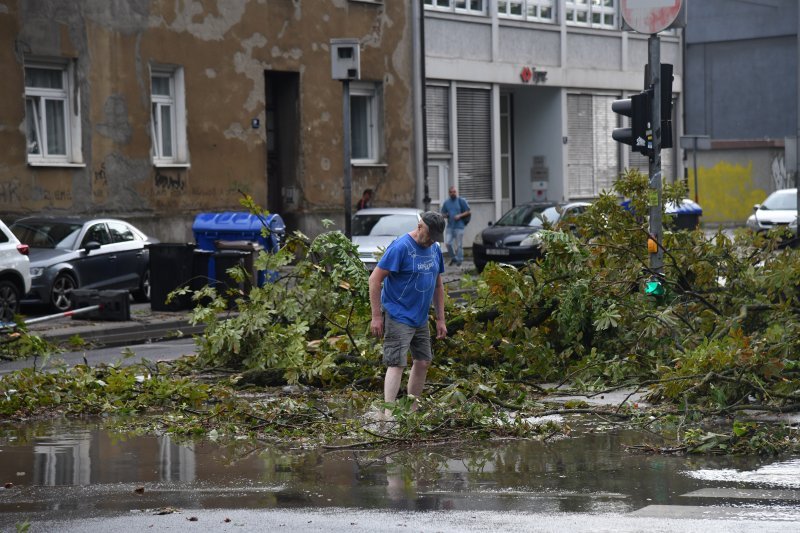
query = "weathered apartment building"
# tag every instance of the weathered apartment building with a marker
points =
(519, 97)
(157, 110)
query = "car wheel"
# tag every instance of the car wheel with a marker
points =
(61, 293)
(142, 294)
(9, 300)
(479, 267)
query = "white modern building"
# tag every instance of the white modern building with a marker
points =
(518, 100)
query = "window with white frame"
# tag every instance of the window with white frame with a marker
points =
(477, 7)
(365, 122)
(591, 13)
(52, 123)
(533, 10)
(168, 117)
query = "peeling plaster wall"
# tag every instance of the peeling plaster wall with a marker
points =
(224, 48)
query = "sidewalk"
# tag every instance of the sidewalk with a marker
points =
(145, 325)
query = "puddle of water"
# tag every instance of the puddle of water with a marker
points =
(68, 469)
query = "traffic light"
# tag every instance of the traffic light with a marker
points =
(637, 107)
(666, 102)
(666, 105)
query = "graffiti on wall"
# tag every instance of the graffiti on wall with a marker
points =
(780, 180)
(56, 196)
(9, 193)
(100, 185)
(165, 183)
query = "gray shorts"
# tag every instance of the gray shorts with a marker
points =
(398, 338)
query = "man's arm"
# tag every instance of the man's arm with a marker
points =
(375, 282)
(438, 307)
(466, 210)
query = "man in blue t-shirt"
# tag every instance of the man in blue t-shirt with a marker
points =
(456, 210)
(410, 274)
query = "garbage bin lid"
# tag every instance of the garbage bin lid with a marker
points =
(686, 207)
(246, 246)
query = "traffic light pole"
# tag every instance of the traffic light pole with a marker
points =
(654, 197)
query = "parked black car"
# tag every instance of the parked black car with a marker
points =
(67, 253)
(513, 240)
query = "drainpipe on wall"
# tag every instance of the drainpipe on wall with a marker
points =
(420, 109)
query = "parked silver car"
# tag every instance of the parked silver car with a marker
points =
(778, 210)
(15, 279)
(375, 228)
(67, 253)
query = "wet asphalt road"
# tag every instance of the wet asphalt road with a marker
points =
(357, 520)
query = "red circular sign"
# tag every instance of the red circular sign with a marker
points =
(650, 16)
(526, 74)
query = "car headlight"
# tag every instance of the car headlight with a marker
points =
(531, 240)
(478, 239)
(37, 271)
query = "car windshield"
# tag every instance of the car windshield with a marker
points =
(529, 215)
(47, 234)
(781, 200)
(383, 225)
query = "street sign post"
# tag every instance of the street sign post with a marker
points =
(650, 16)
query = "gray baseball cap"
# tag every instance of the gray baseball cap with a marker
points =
(435, 222)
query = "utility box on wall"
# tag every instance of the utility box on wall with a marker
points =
(345, 59)
(540, 176)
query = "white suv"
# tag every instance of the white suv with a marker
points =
(15, 273)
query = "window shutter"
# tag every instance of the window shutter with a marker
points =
(474, 143)
(606, 153)
(592, 155)
(580, 152)
(437, 118)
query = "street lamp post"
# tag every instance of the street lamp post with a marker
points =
(346, 66)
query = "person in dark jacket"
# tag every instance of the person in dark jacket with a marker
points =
(366, 198)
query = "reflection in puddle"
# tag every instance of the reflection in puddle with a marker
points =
(64, 468)
(91, 456)
(783, 474)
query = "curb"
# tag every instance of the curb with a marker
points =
(105, 335)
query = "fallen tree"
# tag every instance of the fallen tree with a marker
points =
(721, 341)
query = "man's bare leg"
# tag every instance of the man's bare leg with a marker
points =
(391, 386)
(416, 379)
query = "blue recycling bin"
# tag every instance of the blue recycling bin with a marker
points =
(686, 214)
(234, 226)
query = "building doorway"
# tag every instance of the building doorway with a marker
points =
(283, 118)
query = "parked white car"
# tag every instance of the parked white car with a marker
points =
(779, 209)
(374, 229)
(15, 273)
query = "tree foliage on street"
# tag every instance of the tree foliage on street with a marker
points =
(721, 342)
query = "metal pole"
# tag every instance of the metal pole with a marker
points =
(348, 170)
(694, 164)
(654, 200)
(426, 198)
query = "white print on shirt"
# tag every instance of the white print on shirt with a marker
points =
(425, 269)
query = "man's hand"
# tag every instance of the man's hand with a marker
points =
(376, 327)
(441, 329)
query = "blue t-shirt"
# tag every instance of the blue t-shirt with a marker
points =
(451, 208)
(408, 289)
